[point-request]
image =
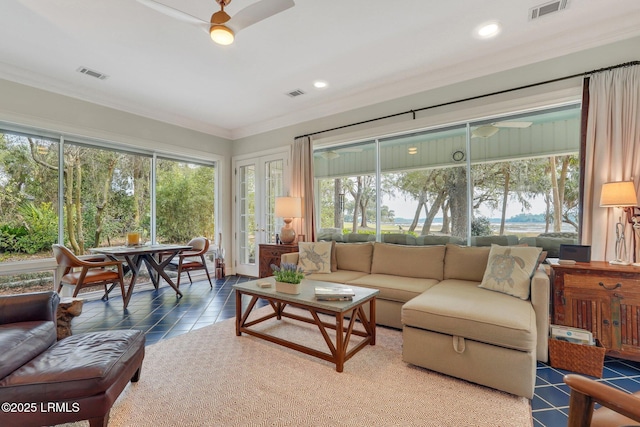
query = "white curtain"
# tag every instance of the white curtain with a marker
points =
(612, 153)
(302, 185)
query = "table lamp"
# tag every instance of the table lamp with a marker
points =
(619, 194)
(288, 208)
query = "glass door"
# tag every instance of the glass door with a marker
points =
(258, 182)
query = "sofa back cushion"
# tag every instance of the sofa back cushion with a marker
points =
(466, 262)
(423, 262)
(22, 341)
(354, 256)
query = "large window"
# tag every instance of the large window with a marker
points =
(513, 175)
(93, 196)
(28, 196)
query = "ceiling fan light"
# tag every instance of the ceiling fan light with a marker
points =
(485, 131)
(221, 34)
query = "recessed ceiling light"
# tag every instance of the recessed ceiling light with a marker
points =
(487, 30)
(320, 84)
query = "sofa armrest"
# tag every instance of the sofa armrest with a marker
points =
(29, 307)
(291, 258)
(540, 298)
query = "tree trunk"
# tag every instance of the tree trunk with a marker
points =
(457, 186)
(78, 208)
(505, 196)
(446, 224)
(105, 200)
(421, 202)
(557, 203)
(431, 213)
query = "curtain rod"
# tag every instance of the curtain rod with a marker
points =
(473, 98)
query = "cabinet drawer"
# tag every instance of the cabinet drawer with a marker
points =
(602, 283)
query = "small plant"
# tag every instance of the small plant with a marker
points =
(288, 273)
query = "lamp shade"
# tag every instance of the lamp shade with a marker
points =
(618, 194)
(288, 207)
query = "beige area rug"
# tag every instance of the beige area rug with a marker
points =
(211, 377)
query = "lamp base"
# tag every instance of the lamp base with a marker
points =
(287, 233)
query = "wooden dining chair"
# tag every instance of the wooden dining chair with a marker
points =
(192, 259)
(88, 272)
(618, 407)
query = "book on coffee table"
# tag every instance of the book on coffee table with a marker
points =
(334, 293)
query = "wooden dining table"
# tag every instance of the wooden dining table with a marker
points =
(155, 258)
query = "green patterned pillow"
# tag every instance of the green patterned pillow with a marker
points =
(509, 270)
(314, 257)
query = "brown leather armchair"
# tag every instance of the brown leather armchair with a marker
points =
(618, 408)
(192, 259)
(83, 374)
(93, 272)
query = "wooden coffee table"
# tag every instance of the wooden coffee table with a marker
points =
(353, 310)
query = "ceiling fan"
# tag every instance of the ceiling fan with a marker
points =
(485, 131)
(222, 27)
(334, 154)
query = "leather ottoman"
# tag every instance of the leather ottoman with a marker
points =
(78, 378)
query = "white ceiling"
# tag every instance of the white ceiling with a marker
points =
(367, 50)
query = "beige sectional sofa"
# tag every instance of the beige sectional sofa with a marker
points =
(449, 324)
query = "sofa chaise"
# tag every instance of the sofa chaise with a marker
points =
(449, 323)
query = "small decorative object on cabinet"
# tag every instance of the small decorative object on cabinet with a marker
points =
(602, 298)
(270, 254)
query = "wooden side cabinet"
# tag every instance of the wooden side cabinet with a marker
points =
(602, 298)
(270, 254)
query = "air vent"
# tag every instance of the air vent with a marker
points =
(547, 8)
(295, 93)
(92, 73)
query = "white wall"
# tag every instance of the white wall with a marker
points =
(577, 63)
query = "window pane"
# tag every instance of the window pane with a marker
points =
(274, 171)
(107, 194)
(185, 200)
(346, 189)
(247, 207)
(424, 184)
(525, 173)
(28, 196)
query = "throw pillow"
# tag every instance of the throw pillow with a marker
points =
(509, 270)
(314, 257)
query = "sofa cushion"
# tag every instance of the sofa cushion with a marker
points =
(423, 262)
(509, 270)
(22, 341)
(436, 240)
(340, 276)
(354, 256)
(399, 239)
(394, 288)
(504, 240)
(461, 308)
(465, 262)
(314, 257)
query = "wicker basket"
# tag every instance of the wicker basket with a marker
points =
(583, 359)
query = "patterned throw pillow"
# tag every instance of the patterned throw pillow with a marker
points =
(509, 270)
(314, 257)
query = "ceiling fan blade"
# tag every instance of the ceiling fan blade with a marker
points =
(257, 12)
(512, 124)
(172, 12)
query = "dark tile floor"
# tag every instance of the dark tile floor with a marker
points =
(161, 315)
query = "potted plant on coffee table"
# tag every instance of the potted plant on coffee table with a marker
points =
(288, 277)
